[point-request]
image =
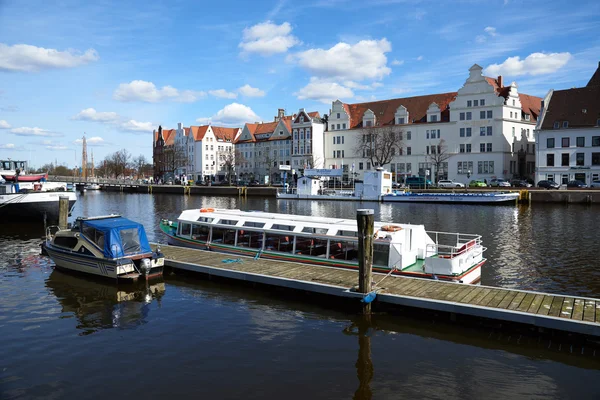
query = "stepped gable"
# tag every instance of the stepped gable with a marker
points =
(529, 104)
(385, 110)
(580, 107)
(169, 136)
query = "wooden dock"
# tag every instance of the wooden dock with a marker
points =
(542, 310)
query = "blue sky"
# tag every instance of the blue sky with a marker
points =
(116, 70)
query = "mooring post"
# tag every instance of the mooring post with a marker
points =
(366, 222)
(63, 211)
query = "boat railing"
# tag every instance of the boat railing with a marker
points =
(450, 245)
(49, 231)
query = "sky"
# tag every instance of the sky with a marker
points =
(114, 71)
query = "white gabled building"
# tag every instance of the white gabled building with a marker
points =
(568, 134)
(307, 141)
(208, 148)
(486, 128)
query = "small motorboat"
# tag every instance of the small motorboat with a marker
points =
(25, 178)
(108, 246)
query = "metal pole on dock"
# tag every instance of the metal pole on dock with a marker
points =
(366, 223)
(63, 211)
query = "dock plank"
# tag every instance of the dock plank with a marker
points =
(567, 308)
(464, 294)
(467, 299)
(526, 303)
(458, 293)
(437, 291)
(516, 301)
(507, 299)
(535, 304)
(588, 310)
(484, 292)
(556, 307)
(597, 311)
(578, 309)
(545, 305)
(495, 302)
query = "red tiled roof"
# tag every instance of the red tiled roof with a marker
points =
(314, 114)
(169, 136)
(268, 127)
(225, 133)
(530, 105)
(569, 105)
(186, 131)
(384, 110)
(198, 132)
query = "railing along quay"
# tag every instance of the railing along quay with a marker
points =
(542, 311)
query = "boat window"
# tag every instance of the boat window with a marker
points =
(347, 233)
(94, 235)
(318, 231)
(130, 240)
(200, 232)
(68, 242)
(223, 236)
(254, 224)
(283, 227)
(311, 246)
(277, 242)
(381, 254)
(251, 239)
(343, 250)
(205, 219)
(228, 222)
(185, 229)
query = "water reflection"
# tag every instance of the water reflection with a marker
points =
(101, 305)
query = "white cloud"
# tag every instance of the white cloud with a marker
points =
(232, 114)
(7, 146)
(363, 60)
(24, 57)
(92, 141)
(26, 131)
(4, 124)
(398, 62)
(268, 38)
(249, 91)
(490, 30)
(358, 86)
(534, 64)
(50, 145)
(324, 91)
(90, 114)
(135, 126)
(420, 58)
(222, 93)
(139, 90)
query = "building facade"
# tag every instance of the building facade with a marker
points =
(568, 134)
(162, 153)
(483, 131)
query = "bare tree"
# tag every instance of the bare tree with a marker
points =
(379, 144)
(438, 155)
(174, 158)
(227, 160)
(270, 163)
(139, 164)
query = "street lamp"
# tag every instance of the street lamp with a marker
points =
(468, 177)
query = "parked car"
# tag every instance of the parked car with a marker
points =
(499, 182)
(448, 183)
(577, 184)
(254, 183)
(520, 183)
(477, 183)
(595, 184)
(548, 185)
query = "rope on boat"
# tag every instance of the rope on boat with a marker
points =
(388, 274)
(257, 256)
(232, 260)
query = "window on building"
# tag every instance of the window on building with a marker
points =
(408, 151)
(468, 147)
(482, 102)
(550, 143)
(482, 147)
(564, 159)
(338, 126)
(511, 114)
(427, 149)
(338, 115)
(333, 127)
(433, 118)
(462, 132)
(462, 116)
(489, 131)
(595, 158)
(527, 117)
(482, 131)
(580, 159)
(408, 135)
(513, 102)
(368, 165)
(489, 147)
(428, 134)
(581, 141)
(565, 142)
(369, 123)
(360, 165)
(468, 132)
(475, 103)
(490, 114)
(462, 148)
(595, 141)
(344, 126)
(565, 124)
(469, 103)
(481, 114)
(556, 125)
(401, 121)
(469, 115)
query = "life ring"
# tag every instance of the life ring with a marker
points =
(390, 228)
(207, 210)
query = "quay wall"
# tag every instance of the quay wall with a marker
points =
(589, 196)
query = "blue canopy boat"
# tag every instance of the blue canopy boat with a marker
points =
(109, 246)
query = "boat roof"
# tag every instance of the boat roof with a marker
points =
(270, 219)
(119, 237)
(111, 222)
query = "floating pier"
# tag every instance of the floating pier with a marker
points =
(544, 311)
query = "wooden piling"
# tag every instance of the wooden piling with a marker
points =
(63, 211)
(366, 223)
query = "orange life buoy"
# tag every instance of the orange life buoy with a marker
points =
(207, 210)
(390, 228)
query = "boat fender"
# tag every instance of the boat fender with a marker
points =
(369, 297)
(207, 210)
(390, 228)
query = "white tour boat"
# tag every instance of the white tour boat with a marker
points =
(18, 202)
(108, 246)
(404, 248)
(451, 197)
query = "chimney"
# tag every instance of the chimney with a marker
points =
(500, 81)
(179, 125)
(280, 114)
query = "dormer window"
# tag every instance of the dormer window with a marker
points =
(369, 123)
(565, 124)
(401, 121)
(527, 117)
(302, 118)
(433, 118)
(556, 125)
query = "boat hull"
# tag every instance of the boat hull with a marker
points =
(33, 206)
(471, 276)
(25, 178)
(471, 198)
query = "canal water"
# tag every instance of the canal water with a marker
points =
(67, 337)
